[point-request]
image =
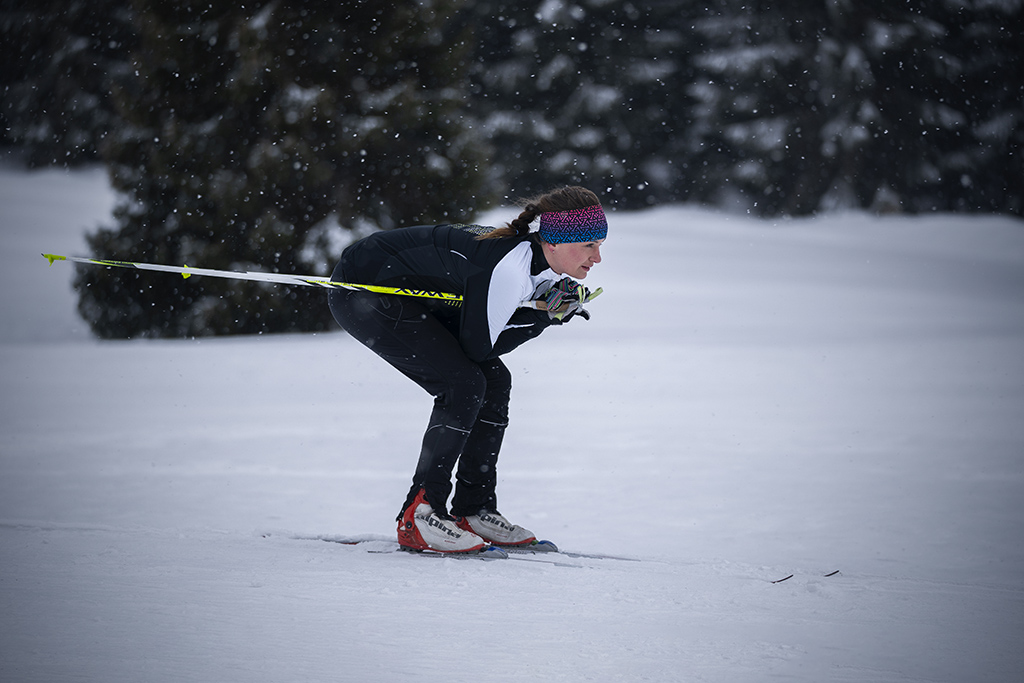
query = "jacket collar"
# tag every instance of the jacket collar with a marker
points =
(540, 262)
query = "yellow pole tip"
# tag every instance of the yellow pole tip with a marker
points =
(186, 275)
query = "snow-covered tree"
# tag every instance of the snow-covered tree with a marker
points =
(59, 57)
(278, 124)
(253, 135)
(584, 91)
(815, 105)
(987, 174)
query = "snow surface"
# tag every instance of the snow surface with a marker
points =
(752, 400)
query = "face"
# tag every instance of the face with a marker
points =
(574, 259)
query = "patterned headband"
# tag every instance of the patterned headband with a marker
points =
(575, 225)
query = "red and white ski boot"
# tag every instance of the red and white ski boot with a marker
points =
(494, 528)
(420, 528)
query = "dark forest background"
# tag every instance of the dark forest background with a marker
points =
(257, 135)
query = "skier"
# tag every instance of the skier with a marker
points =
(453, 352)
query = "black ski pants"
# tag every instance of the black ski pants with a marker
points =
(471, 399)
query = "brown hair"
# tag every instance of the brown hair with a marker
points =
(562, 199)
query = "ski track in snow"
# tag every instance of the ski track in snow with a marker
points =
(752, 400)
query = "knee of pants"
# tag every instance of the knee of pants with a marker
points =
(466, 388)
(498, 394)
(499, 380)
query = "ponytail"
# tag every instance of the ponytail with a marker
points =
(563, 199)
(519, 227)
(522, 223)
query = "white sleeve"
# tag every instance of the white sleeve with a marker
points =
(510, 285)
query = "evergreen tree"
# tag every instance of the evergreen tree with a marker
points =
(584, 92)
(783, 114)
(986, 175)
(253, 136)
(921, 121)
(59, 57)
(852, 103)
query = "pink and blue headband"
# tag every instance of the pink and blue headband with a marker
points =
(575, 225)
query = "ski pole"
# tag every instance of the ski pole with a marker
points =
(279, 278)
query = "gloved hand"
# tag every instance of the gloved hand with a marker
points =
(565, 298)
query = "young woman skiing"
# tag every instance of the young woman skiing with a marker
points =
(453, 352)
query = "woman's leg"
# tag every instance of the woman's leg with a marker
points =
(402, 332)
(477, 476)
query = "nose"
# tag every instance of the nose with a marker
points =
(596, 258)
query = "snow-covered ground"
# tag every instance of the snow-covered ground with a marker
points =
(752, 400)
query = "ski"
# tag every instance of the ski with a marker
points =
(378, 547)
(487, 553)
(787, 578)
(547, 547)
(533, 548)
(542, 551)
(278, 278)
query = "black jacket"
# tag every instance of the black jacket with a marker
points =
(493, 276)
